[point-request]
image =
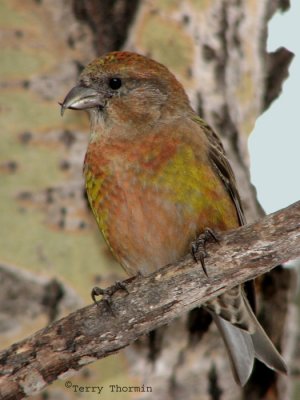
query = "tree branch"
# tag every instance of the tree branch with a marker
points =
(93, 332)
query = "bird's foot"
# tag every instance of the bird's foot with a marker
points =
(107, 294)
(198, 246)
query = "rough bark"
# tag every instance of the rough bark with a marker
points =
(217, 49)
(95, 332)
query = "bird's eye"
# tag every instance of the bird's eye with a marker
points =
(115, 83)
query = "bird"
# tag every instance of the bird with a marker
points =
(157, 176)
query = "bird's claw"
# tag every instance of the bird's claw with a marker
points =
(198, 247)
(107, 294)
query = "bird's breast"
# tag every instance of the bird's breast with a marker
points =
(150, 203)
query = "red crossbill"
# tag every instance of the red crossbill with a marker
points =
(156, 177)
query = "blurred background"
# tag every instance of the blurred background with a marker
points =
(234, 59)
(276, 176)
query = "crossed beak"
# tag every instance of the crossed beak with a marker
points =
(81, 98)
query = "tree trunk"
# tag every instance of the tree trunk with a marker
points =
(217, 49)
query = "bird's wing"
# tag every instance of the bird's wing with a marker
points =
(222, 167)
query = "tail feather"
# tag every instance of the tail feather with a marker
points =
(239, 347)
(243, 347)
(264, 349)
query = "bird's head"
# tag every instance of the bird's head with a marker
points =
(127, 88)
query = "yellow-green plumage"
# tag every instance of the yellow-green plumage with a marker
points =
(151, 198)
